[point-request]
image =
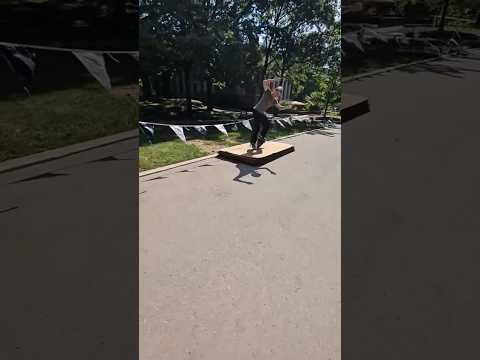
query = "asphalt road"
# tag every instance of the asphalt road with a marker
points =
(69, 257)
(242, 263)
(410, 200)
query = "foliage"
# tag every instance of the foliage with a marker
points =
(237, 43)
(316, 99)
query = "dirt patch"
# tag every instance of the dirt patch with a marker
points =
(126, 90)
(210, 147)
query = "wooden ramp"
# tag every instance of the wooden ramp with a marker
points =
(244, 153)
(353, 106)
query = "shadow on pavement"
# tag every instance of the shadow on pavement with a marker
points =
(321, 132)
(245, 170)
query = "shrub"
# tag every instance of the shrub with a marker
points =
(315, 100)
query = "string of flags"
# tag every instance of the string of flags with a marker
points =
(21, 61)
(148, 128)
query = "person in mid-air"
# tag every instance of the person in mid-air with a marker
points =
(270, 98)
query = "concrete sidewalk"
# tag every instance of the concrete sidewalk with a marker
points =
(238, 262)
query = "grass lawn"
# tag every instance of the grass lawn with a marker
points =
(166, 151)
(55, 119)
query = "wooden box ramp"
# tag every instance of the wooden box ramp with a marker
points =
(353, 106)
(244, 153)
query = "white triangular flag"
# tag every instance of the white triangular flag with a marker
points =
(201, 129)
(221, 128)
(288, 121)
(246, 123)
(25, 58)
(149, 128)
(178, 130)
(280, 122)
(113, 58)
(95, 64)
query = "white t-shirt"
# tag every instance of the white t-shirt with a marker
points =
(266, 102)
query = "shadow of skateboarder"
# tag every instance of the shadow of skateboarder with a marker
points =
(245, 170)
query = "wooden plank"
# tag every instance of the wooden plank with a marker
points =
(244, 153)
(353, 106)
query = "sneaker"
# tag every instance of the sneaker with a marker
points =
(254, 146)
(259, 144)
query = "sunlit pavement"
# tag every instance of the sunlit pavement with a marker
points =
(423, 130)
(239, 262)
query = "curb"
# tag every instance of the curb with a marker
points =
(215, 155)
(55, 154)
(173, 166)
(390, 68)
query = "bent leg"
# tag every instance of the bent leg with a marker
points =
(265, 126)
(255, 129)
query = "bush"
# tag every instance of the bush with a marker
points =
(315, 100)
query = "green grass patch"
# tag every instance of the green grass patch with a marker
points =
(167, 153)
(55, 119)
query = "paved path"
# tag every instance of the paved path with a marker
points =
(69, 246)
(243, 263)
(414, 160)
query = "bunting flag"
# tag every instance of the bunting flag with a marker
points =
(21, 64)
(148, 130)
(246, 123)
(201, 129)
(95, 64)
(93, 60)
(24, 57)
(178, 130)
(113, 58)
(221, 128)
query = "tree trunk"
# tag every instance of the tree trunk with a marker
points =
(209, 94)
(441, 26)
(146, 86)
(329, 96)
(166, 76)
(327, 103)
(282, 73)
(188, 89)
(265, 64)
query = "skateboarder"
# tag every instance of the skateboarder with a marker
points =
(270, 98)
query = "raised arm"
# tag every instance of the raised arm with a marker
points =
(267, 85)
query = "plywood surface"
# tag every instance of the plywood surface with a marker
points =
(244, 153)
(353, 106)
(349, 100)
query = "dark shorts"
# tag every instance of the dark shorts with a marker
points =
(260, 127)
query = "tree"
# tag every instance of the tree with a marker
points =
(441, 25)
(284, 22)
(193, 32)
